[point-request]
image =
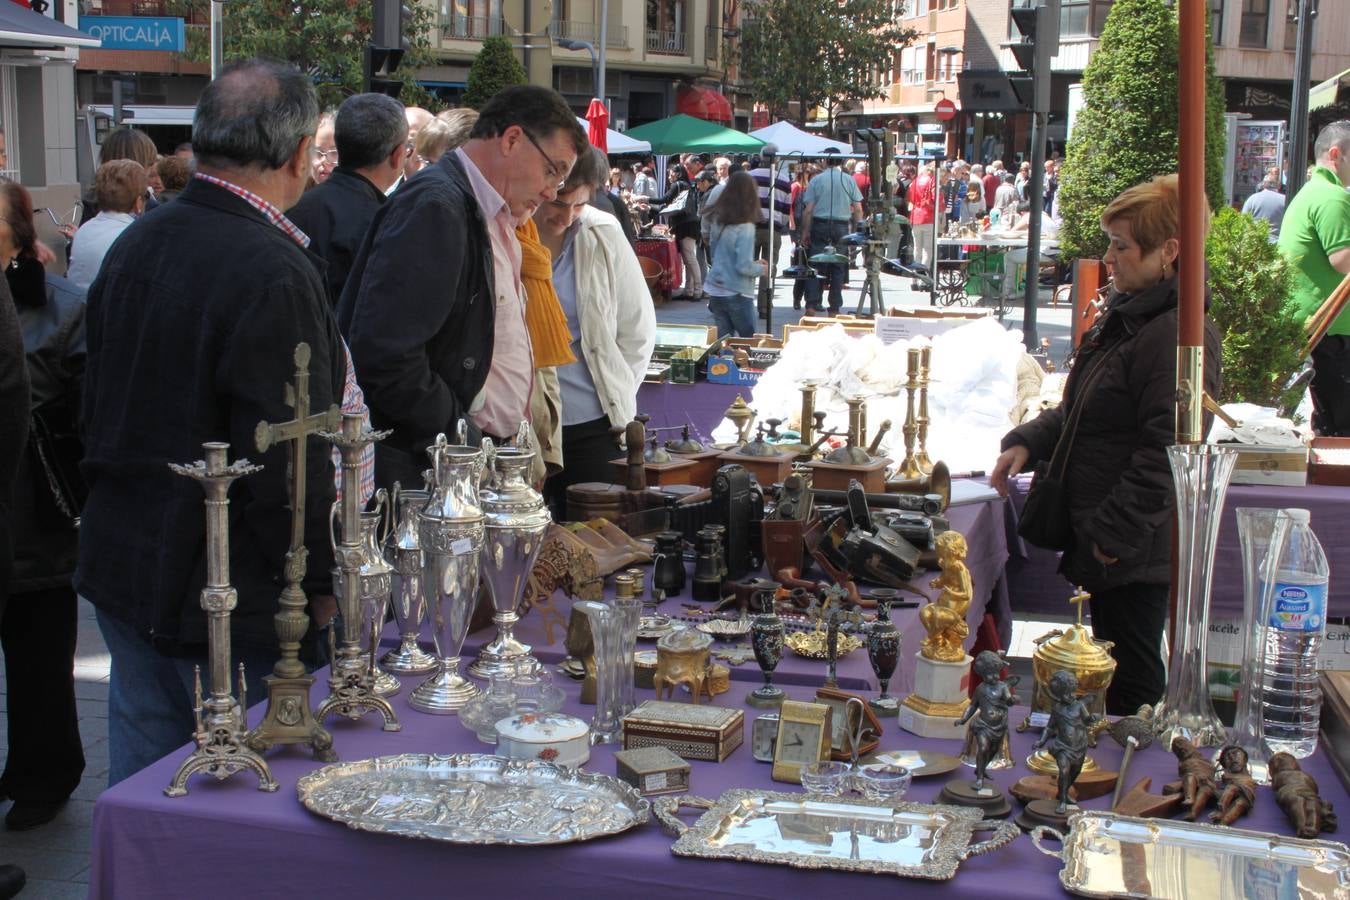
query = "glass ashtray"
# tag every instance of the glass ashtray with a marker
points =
(880, 781)
(828, 778)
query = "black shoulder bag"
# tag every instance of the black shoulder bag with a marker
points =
(1045, 515)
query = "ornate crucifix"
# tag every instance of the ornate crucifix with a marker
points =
(289, 719)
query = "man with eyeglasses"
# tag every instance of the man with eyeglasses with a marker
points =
(325, 149)
(433, 310)
(372, 139)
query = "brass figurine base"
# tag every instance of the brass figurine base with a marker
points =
(987, 798)
(289, 719)
(1042, 812)
(352, 694)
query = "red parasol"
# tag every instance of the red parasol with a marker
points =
(598, 117)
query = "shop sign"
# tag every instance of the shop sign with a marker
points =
(136, 32)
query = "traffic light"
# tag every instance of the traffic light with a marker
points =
(391, 23)
(1038, 25)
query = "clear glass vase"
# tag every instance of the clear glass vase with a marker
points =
(606, 628)
(1255, 529)
(629, 612)
(1200, 474)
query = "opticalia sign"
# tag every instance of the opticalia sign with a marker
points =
(136, 32)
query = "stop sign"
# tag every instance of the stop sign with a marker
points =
(945, 110)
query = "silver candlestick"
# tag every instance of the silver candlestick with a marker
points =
(351, 680)
(221, 720)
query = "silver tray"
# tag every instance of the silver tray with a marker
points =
(813, 831)
(1110, 855)
(473, 798)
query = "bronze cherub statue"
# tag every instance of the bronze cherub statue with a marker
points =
(1067, 732)
(1296, 793)
(988, 712)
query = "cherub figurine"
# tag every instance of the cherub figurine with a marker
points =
(1067, 732)
(988, 729)
(945, 618)
(1239, 787)
(1198, 787)
(1296, 793)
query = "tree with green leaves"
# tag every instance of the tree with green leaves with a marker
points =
(1262, 336)
(495, 67)
(1128, 128)
(817, 53)
(322, 37)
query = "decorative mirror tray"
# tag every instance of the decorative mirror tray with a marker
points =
(1110, 855)
(921, 763)
(813, 831)
(473, 798)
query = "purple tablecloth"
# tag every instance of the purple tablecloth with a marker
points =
(700, 405)
(1037, 587)
(982, 524)
(230, 840)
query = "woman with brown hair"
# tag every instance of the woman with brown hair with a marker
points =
(1122, 393)
(732, 280)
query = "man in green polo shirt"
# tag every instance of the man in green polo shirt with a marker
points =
(1315, 238)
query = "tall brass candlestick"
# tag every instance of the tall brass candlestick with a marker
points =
(909, 468)
(921, 458)
(288, 719)
(351, 679)
(221, 750)
(806, 427)
(856, 415)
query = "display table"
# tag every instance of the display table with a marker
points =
(231, 840)
(665, 251)
(1037, 587)
(983, 526)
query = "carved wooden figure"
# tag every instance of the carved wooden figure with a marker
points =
(1296, 793)
(1239, 787)
(1198, 788)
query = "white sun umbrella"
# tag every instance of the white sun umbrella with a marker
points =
(619, 143)
(792, 141)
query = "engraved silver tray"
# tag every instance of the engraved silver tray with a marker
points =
(473, 798)
(813, 831)
(1110, 855)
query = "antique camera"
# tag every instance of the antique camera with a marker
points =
(914, 527)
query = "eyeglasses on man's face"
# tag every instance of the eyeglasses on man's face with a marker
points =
(554, 171)
(328, 156)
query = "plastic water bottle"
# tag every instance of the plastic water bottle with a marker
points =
(1297, 606)
(994, 216)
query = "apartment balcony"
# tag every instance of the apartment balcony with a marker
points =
(615, 38)
(712, 42)
(470, 28)
(666, 43)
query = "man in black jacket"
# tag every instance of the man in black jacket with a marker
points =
(372, 143)
(192, 326)
(433, 309)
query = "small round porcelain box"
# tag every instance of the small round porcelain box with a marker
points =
(551, 737)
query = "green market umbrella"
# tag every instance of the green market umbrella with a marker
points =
(686, 134)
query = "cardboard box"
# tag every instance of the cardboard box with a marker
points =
(722, 369)
(1259, 464)
(1227, 639)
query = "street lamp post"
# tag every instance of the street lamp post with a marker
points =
(571, 44)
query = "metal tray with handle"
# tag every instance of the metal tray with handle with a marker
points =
(1109, 855)
(813, 831)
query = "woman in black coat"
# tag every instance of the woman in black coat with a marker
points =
(38, 627)
(1117, 476)
(685, 226)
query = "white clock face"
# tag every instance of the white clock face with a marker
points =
(798, 743)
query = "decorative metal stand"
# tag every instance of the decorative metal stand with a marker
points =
(288, 719)
(921, 421)
(1200, 473)
(221, 750)
(351, 680)
(909, 468)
